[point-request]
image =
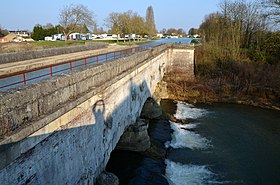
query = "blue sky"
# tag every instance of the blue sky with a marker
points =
(18, 14)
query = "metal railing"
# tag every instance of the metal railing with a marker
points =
(34, 75)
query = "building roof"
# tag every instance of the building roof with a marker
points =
(10, 37)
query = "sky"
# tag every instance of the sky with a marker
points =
(24, 15)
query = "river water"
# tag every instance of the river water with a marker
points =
(171, 40)
(228, 144)
(222, 144)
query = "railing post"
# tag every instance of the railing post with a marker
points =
(70, 66)
(24, 78)
(51, 72)
(97, 59)
(106, 57)
(120, 54)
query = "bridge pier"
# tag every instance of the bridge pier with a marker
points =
(135, 137)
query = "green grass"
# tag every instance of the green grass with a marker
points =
(52, 44)
(27, 46)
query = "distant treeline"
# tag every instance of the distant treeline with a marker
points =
(78, 18)
(40, 32)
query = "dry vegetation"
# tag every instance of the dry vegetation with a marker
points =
(17, 47)
(28, 46)
(238, 61)
(246, 83)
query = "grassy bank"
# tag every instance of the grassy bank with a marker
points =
(27, 46)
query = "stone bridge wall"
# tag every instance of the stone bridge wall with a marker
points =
(182, 59)
(62, 130)
(34, 105)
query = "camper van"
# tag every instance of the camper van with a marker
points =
(58, 37)
(75, 36)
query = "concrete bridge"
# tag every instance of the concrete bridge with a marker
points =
(62, 130)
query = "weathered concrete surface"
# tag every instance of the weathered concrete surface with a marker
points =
(182, 59)
(62, 130)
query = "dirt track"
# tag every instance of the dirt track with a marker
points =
(16, 67)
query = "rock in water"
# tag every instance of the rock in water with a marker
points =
(136, 137)
(107, 178)
(151, 109)
(156, 151)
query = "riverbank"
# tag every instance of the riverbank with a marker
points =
(196, 91)
(12, 47)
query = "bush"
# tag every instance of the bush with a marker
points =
(195, 41)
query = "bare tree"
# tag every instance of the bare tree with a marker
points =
(138, 23)
(150, 21)
(163, 31)
(271, 10)
(113, 22)
(125, 23)
(239, 22)
(48, 25)
(181, 32)
(74, 18)
(234, 29)
(171, 31)
(193, 31)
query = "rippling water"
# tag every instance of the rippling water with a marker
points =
(229, 144)
(222, 144)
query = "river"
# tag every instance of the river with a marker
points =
(223, 144)
(171, 40)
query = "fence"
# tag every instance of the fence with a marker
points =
(32, 76)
